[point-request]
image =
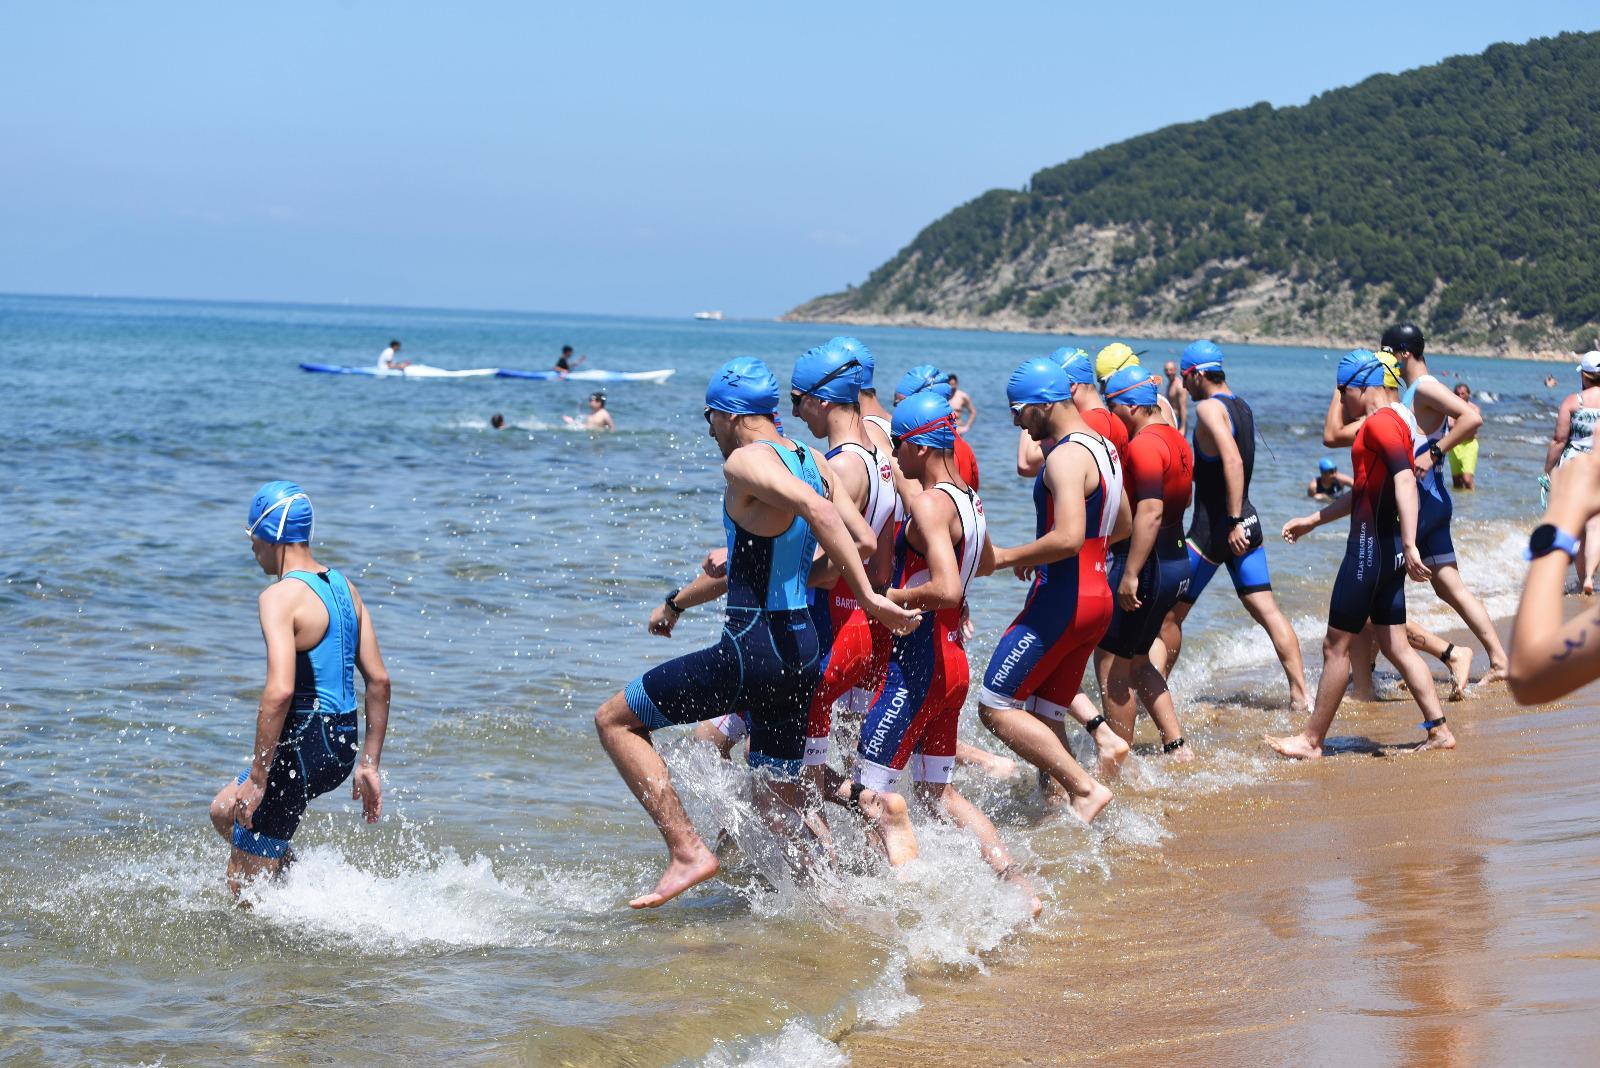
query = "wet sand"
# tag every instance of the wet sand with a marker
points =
(1372, 909)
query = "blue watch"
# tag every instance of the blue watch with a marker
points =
(1546, 539)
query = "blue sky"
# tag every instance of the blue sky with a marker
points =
(651, 159)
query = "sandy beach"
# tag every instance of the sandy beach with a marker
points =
(1377, 908)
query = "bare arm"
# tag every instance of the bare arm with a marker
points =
(276, 607)
(1146, 524)
(931, 513)
(1406, 500)
(365, 785)
(1558, 440)
(1465, 419)
(1065, 474)
(1030, 455)
(1340, 507)
(1336, 433)
(1549, 657)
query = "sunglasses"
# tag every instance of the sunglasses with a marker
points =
(1016, 409)
(708, 415)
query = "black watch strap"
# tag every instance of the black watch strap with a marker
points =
(671, 601)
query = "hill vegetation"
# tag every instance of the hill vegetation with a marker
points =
(1464, 195)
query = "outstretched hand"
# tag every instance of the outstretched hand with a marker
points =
(1295, 529)
(367, 787)
(896, 620)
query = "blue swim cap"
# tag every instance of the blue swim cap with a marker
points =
(1362, 367)
(1132, 386)
(921, 377)
(925, 418)
(1038, 381)
(1327, 464)
(280, 513)
(1350, 363)
(1200, 356)
(1076, 362)
(743, 386)
(860, 351)
(830, 374)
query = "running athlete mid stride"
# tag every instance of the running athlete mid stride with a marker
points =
(1158, 472)
(776, 510)
(1382, 548)
(1225, 528)
(318, 636)
(1079, 504)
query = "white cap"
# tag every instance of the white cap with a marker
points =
(1590, 362)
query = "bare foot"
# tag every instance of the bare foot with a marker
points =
(1295, 747)
(1495, 674)
(1054, 793)
(1013, 875)
(1439, 738)
(1369, 693)
(892, 821)
(1181, 755)
(991, 764)
(1110, 751)
(690, 870)
(1461, 673)
(1087, 807)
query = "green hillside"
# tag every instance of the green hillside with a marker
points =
(1466, 195)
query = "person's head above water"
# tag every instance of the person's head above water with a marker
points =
(1463, 391)
(566, 350)
(497, 420)
(828, 373)
(1113, 358)
(1327, 465)
(598, 400)
(280, 513)
(924, 376)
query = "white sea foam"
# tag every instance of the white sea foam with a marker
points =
(798, 1045)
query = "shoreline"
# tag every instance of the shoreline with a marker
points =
(1436, 908)
(1162, 333)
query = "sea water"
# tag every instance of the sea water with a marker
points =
(509, 575)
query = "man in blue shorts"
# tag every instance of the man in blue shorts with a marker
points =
(1225, 528)
(776, 511)
(318, 634)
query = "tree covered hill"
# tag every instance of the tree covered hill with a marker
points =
(1464, 195)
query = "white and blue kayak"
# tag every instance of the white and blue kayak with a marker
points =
(591, 376)
(416, 370)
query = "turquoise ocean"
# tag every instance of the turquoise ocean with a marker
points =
(509, 575)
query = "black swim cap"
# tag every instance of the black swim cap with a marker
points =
(1403, 337)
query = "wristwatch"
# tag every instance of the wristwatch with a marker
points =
(1435, 452)
(1235, 520)
(671, 603)
(1546, 539)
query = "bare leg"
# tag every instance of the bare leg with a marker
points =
(942, 799)
(1110, 749)
(1589, 555)
(1117, 698)
(1362, 658)
(1392, 640)
(1263, 608)
(1456, 658)
(1307, 745)
(1172, 635)
(992, 764)
(888, 819)
(627, 743)
(1153, 691)
(1038, 745)
(247, 867)
(1452, 591)
(221, 811)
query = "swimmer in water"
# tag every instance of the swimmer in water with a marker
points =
(389, 358)
(318, 634)
(1381, 550)
(497, 421)
(1147, 582)
(1330, 481)
(776, 510)
(597, 419)
(567, 362)
(1079, 506)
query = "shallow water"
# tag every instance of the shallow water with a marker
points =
(509, 575)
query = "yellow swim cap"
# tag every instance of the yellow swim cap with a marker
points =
(1391, 369)
(1113, 358)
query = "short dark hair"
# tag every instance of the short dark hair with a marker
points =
(566, 349)
(394, 344)
(497, 420)
(601, 397)
(953, 379)
(1216, 378)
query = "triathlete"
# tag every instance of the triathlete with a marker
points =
(961, 404)
(1382, 548)
(318, 635)
(1116, 357)
(1158, 473)
(1060, 697)
(1330, 481)
(823, 393)
(1443, 421)
(1079, 504)
(1225, 528)
(928, 377)
(1464, 455)
(767, 663)
(916, 716)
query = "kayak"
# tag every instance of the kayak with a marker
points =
(416, 370)
(592, 376)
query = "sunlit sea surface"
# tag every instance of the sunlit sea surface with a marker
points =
(509, 575)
